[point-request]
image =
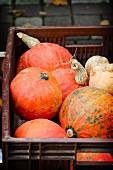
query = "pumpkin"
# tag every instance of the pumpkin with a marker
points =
(100, 73)
(59, 2)
(102, 79)
(66, 79)
(94, 61)
(36, 94)
(87, 112)
(46, 55)
(90, 157)
(40, 128)
(106, 157)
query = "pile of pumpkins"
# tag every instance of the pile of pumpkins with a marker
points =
(50, 82)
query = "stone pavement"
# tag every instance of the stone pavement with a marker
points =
(48, 1)
(52, 15)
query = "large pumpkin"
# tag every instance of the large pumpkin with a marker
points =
(36, 94)
(66, 79)
(88, 112)
(40, 128)
(45, 55)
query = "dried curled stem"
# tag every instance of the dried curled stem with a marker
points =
(28, 40)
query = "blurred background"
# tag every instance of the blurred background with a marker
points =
(52, 13)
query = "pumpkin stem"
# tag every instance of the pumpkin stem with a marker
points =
(71, 132)
(44, 76)
(81, 73)
(28, 40)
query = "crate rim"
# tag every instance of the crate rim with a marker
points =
(86, 30)
(57, 140)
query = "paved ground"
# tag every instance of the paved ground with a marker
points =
(52, 15)
(48, 1)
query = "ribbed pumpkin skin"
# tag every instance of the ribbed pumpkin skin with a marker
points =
(66, 79)
(40, 128)
(89, 111)
(49, 56)
(103, 157)
(35, 97)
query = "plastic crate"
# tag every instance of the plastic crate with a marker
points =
(48, 153)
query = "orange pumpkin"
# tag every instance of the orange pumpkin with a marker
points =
(94, 157)
(91, 157)
(87, 112)
(36, 94)
(40, 128)
(59, 2)
(49, 56)
(66, 79)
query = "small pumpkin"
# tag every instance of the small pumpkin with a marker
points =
(102, 157)
(40, 128)
(87, 112)
(59, 2)
(100, 73)
(46, 55)
(93, 62)
(90, 157)
(102, 79)
(66, 79)
(36, 94)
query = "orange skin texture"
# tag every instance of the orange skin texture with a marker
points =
(49, 56)
(66, 79)
(89, 111)
(94, 157)
(40, 128)
(34, 97)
